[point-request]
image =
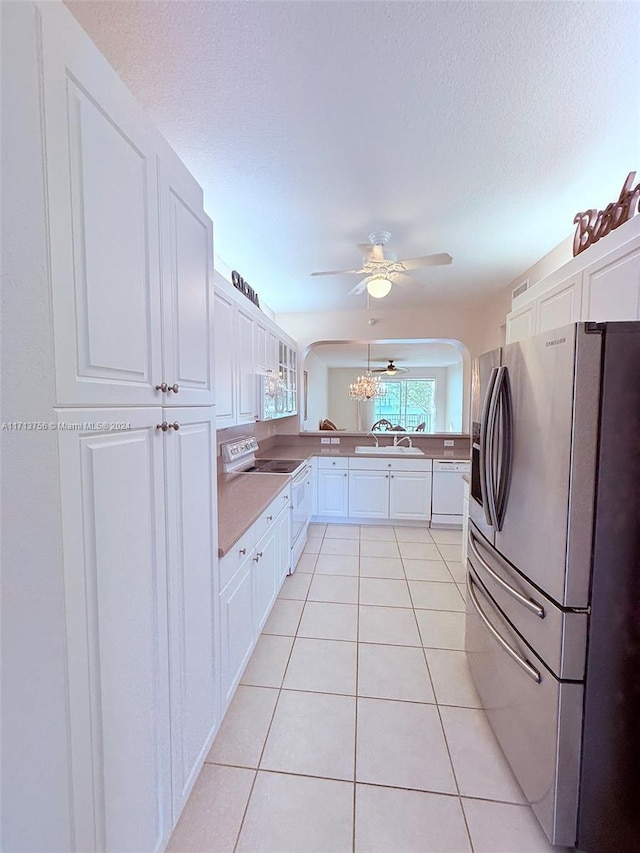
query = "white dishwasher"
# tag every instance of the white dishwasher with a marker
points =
(448, 491)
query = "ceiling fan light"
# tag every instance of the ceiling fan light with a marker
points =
(391, 371)
(378, 287)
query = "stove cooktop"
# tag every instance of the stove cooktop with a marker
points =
(277, 466)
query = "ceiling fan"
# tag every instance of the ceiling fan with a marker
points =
(390, 369)
(381, 271)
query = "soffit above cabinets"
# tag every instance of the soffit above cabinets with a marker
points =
(477, 129)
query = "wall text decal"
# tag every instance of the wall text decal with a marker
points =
(244, 288)
(594, 224)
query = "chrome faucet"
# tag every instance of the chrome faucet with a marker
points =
(397, 441)
(375, 437)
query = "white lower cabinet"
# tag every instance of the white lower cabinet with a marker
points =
(369, 494)
(265, 575)
(364, 487)
(236, 628)
(251, 574)
(410, 495)
(333, 487)
(139, 535)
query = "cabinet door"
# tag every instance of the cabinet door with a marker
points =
(612, 285)
(245, 365)
(236, 629)
(410, 495)
(369, 494)
(225, 362)
(262, 342)
(102, 199)
(333, 490)
(561, 305)
(283, 566)
(112, 486)
(521, 323)
(187, 315)
(264, 568)
(192, 556)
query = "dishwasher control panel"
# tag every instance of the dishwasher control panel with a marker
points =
(460, 466)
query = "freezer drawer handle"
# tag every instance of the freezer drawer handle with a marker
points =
(531, 671)
(529, 603)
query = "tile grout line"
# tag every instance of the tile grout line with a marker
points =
(355, 737)
(275, 707)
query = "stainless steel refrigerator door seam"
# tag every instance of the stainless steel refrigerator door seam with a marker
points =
(529, 603)
(524, 664)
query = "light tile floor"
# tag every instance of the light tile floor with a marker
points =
(356, 727)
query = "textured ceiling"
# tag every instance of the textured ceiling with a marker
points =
(477, 129)
(403, 353)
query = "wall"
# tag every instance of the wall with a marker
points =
(547, 264)
(477, 324)
(317, 398)
(35, 740)
(455, 399)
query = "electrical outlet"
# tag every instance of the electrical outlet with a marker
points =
(335, 441)
(448, 452)
(325, 441)
(449, 442)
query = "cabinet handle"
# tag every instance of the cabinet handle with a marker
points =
(392, 476)
(164, 426)
(344, 475)
(175, 388)
(175, 425)
(243, 551)
(286, 497)
(269, 518)
(257, 557)
(164, 387)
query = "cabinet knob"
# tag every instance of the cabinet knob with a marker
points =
(175, 388)
(333, 463)
(344, 475)
(269, 518)
(164, 387)
(257, 557)
(164, 426)
(175, 425)
(243, 551)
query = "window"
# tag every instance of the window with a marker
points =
(408, 403)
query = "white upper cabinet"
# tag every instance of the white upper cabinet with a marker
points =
(187, 255)
(598, 285)
(225, 359)
(103, 198)
(612, 285)
(560, 305)
(246, 367)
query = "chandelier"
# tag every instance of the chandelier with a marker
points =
(367, 386)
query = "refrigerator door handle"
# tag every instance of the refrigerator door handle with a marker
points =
(504, 456)
(484, 457)
(529, 603)
(492, 440)
(531, 671)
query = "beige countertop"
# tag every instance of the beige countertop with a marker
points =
(241, 499)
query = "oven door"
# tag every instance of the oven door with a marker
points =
(301, 504)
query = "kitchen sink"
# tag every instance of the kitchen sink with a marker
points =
(390, 450)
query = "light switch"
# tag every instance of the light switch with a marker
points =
(449, 442)
(335, 441)
(325, 440)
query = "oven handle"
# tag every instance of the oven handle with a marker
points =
(529, 603)
(531, 671)
(301, 476)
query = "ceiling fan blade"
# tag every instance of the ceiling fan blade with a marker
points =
(359, 288)
(402, 278)
(338, 272)
(426, 261)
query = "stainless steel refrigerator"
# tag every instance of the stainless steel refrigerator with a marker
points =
(553, 575)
